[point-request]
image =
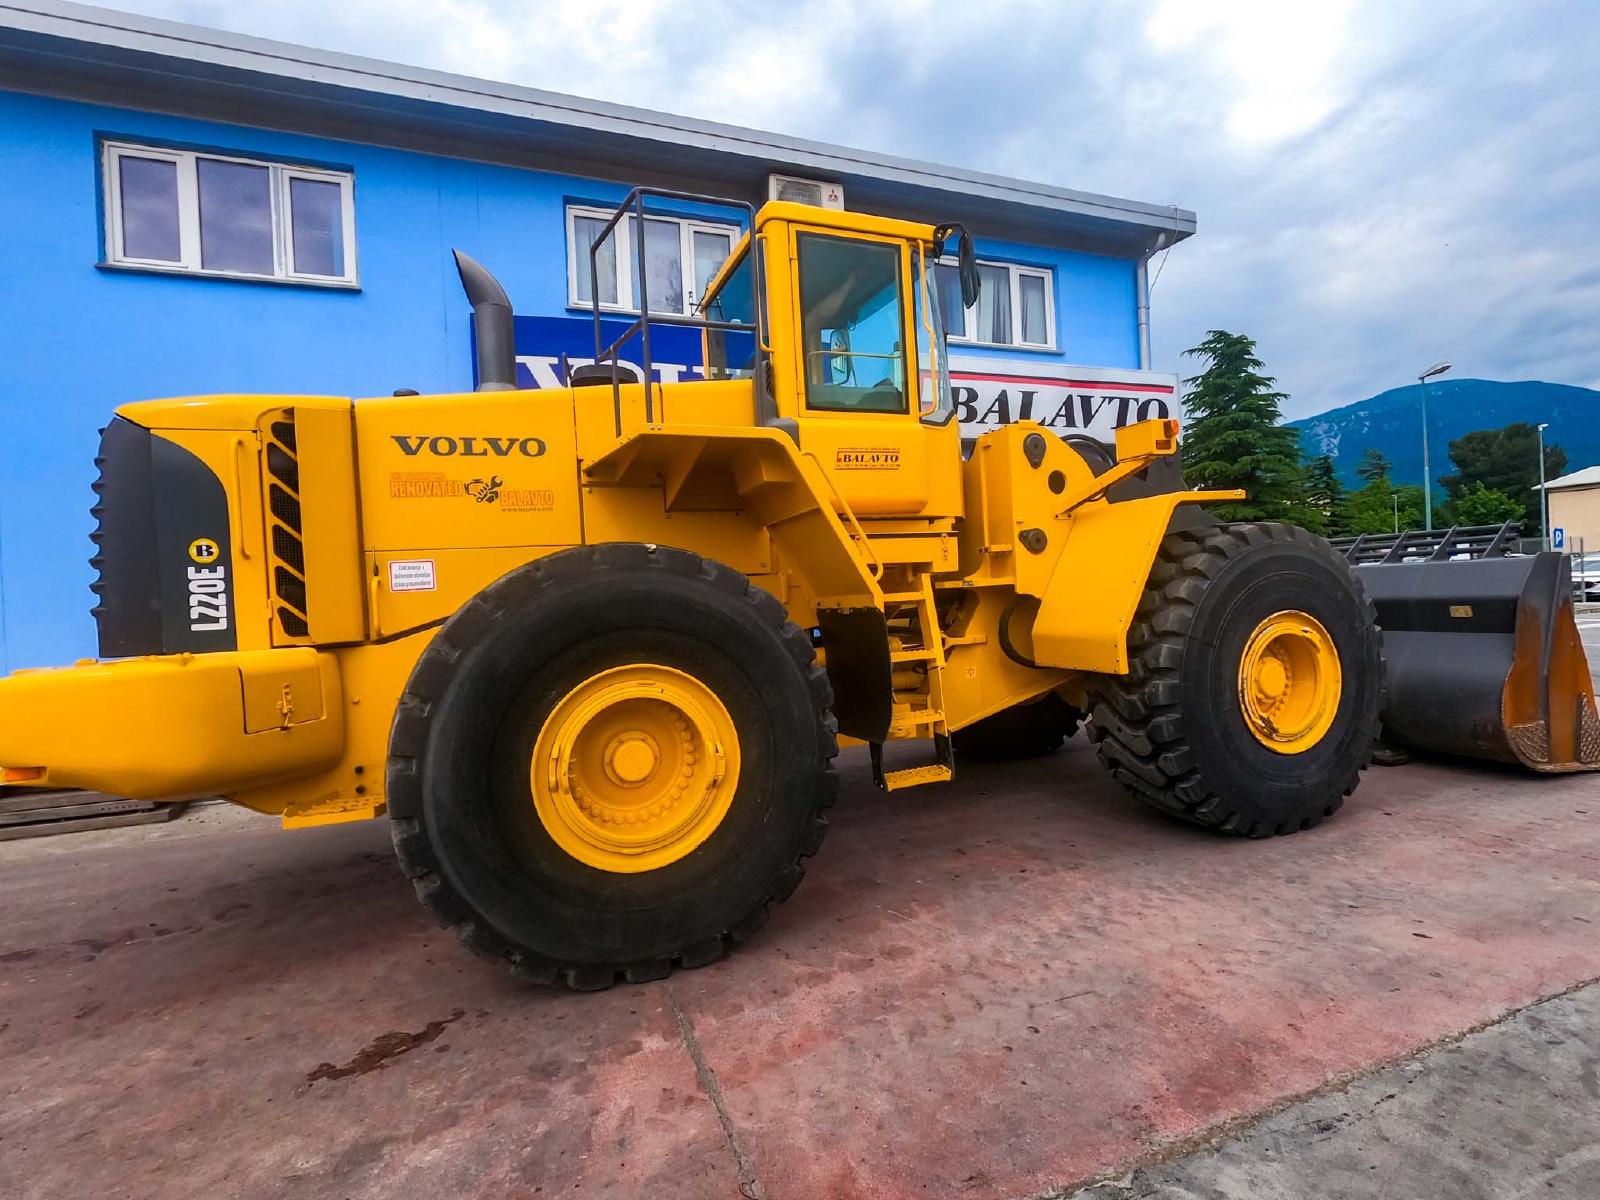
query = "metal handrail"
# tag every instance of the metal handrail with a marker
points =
(641, 324)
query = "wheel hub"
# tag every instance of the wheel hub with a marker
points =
(631, 758)
(634, 768)
(1289, 682)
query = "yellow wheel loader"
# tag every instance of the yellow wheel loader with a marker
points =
(591, 649)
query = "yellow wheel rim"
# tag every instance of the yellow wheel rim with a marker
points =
(634, 768)
(1289, 682)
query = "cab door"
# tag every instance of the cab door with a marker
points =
(856, 382)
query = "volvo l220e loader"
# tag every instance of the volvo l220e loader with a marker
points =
(591, 649)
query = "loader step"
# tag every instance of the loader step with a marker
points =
(918, 716)
(914, 776)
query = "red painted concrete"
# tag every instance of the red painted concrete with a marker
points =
(983, 990)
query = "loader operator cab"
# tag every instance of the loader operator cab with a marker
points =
(853, 302)
(854, 335)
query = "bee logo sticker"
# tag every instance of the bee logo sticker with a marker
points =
(204, 551)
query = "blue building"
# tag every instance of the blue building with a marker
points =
(193, 212)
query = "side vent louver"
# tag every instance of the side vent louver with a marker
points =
(287, 544)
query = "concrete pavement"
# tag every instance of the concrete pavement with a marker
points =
(1505, 1112)
(1588, 619)
(1000, 988)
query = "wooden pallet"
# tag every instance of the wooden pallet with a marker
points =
(29, 814)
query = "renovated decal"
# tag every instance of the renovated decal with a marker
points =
(492, 491)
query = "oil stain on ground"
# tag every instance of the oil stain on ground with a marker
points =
(382, 1048)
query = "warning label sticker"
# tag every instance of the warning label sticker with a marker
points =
(411, 575)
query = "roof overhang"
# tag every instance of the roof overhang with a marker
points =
(97, 54)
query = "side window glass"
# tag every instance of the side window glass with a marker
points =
(852, 319)
(936, 402)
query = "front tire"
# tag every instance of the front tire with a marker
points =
(1256, 680)
(610, 763)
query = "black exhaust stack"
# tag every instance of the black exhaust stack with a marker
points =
(491, 325)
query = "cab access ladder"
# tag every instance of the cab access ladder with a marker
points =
(918, 712)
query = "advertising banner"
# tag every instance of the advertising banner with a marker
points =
(547, 347)
(1097, 401)
(989, 392)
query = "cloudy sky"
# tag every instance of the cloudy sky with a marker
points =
(1379, 184)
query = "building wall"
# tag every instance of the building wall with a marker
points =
(77, 340)
(1577, 510)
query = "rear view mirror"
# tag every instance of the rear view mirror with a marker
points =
(966, 258)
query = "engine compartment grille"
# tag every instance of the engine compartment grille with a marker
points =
(286, 540)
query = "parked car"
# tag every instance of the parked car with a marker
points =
(1586, 577)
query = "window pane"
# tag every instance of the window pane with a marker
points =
(584, 231)
(851, 322)
(711, 250)
(316, 225)
(149, 208)
(732, 352)
(994, 305)
(955, 316)
(235, 217)
(1034, 330)
(663, 264)
(935, 401)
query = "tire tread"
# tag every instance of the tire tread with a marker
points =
(1136, 721)
(414, 714)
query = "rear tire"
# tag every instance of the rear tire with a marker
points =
(471, 814)
(1026, 730)
(1175, 730)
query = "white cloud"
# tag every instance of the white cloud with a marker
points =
(1276, 62)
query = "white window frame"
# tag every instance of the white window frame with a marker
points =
(622, 238)
(1014, 274)
(281, 175)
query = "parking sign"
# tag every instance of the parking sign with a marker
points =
(1558, 538)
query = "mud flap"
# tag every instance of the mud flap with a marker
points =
(855, 643)
(1484, 660)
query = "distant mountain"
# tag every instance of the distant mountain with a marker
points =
(1392, 421)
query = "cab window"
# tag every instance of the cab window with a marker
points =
(731, 353)
(852, 322)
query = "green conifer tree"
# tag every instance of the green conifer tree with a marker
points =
(1324, 492)
(1235, 438)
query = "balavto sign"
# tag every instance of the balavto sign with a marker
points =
(1066, 399)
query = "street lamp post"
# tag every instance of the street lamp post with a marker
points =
(1427, 469)
(1544, 496)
